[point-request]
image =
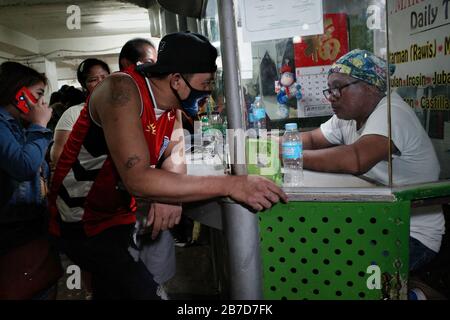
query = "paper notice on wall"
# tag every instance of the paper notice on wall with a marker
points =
(245, 56)
(277, 19)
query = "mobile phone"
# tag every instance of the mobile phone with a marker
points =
(21, 103)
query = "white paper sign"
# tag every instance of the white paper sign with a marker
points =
(245, 56)
(276, 19)
(420, 51)
(421, 44)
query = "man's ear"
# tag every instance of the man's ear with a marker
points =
(124, 63)
(175, 80)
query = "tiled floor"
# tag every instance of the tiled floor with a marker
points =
(194, 278)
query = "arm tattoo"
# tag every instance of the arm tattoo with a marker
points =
(119, 93)
(132, 161)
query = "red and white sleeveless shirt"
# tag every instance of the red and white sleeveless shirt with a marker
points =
(86, 195)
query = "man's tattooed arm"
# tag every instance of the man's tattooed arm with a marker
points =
(120, 87)
(132, 161)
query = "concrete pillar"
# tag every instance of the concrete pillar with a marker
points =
(168, 22)
(192, 24)
(48, 68)
(154, 13)
(182, 23)
(52, 75)
(164, 21)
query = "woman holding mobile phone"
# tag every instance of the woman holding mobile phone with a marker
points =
(29, 267)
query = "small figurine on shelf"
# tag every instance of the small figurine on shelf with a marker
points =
(287, 87)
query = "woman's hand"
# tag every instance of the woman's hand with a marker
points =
(40, 113)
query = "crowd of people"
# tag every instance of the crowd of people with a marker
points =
(97, 179)
(110, 150)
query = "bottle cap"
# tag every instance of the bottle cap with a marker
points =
(290, 126)
(204, 119)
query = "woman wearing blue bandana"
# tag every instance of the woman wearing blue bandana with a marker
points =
(355, 141)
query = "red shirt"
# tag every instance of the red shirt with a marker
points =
(86, 192)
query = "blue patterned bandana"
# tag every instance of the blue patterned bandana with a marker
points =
(365, 66)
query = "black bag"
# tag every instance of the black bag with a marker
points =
(269, 74)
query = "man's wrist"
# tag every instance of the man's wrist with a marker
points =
(229, 185)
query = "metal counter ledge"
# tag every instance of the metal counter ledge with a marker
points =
(318, 186)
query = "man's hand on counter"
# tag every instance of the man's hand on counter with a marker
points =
(257, 192)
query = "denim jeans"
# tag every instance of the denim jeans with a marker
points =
(419, 254)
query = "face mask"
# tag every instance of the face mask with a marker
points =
(190, 104)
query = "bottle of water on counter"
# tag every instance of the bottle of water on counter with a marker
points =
(251, 117)
(207, 138)
(259, 115)
(292, 154)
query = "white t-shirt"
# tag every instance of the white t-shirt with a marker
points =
(69, 117)
(416, 161)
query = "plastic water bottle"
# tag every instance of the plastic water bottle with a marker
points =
(204, 120)
(226, 147)
(292, 153)
(251, 117)
(207, 139)
(259, 115)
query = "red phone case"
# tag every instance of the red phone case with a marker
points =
(21, 102)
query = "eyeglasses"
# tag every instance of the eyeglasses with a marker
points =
(336, 91)
(207, 85)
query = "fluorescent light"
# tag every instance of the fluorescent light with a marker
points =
(124, 24)
(122, 17)
(123, 21)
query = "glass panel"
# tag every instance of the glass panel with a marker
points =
(290, 74)
(211, 124)
(347, 25)
(210, 28)
(419, 48)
